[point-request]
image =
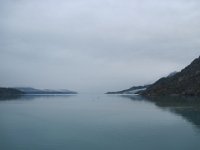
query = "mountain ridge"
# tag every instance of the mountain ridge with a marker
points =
(186, 82)
(30, 90)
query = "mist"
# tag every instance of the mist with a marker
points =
(95, 46)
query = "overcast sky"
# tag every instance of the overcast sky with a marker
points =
(95, 45)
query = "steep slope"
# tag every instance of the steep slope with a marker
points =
(186, 82)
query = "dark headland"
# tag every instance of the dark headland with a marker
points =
(186, 82)
(30, 91)
(9, 91)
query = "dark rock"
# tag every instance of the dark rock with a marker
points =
(186, 82)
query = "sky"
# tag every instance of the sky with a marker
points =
(95, 46)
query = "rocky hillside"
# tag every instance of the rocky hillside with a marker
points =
(186, 82)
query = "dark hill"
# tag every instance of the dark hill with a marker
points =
(186, 82)
(29, 90)
(9, 92)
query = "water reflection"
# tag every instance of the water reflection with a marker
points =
(98, 122)
(9, 97)
(187, 107)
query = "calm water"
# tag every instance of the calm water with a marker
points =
(99, 122)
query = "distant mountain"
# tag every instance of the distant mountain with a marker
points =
(29, 90)
(186, 82)
(132, 90)
(9, 92)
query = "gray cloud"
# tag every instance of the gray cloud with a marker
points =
(95, 45)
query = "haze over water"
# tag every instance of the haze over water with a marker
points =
(95, 46)
(99, 122)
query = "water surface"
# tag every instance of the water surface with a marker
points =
(99, 122)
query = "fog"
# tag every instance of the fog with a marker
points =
(95, 46)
